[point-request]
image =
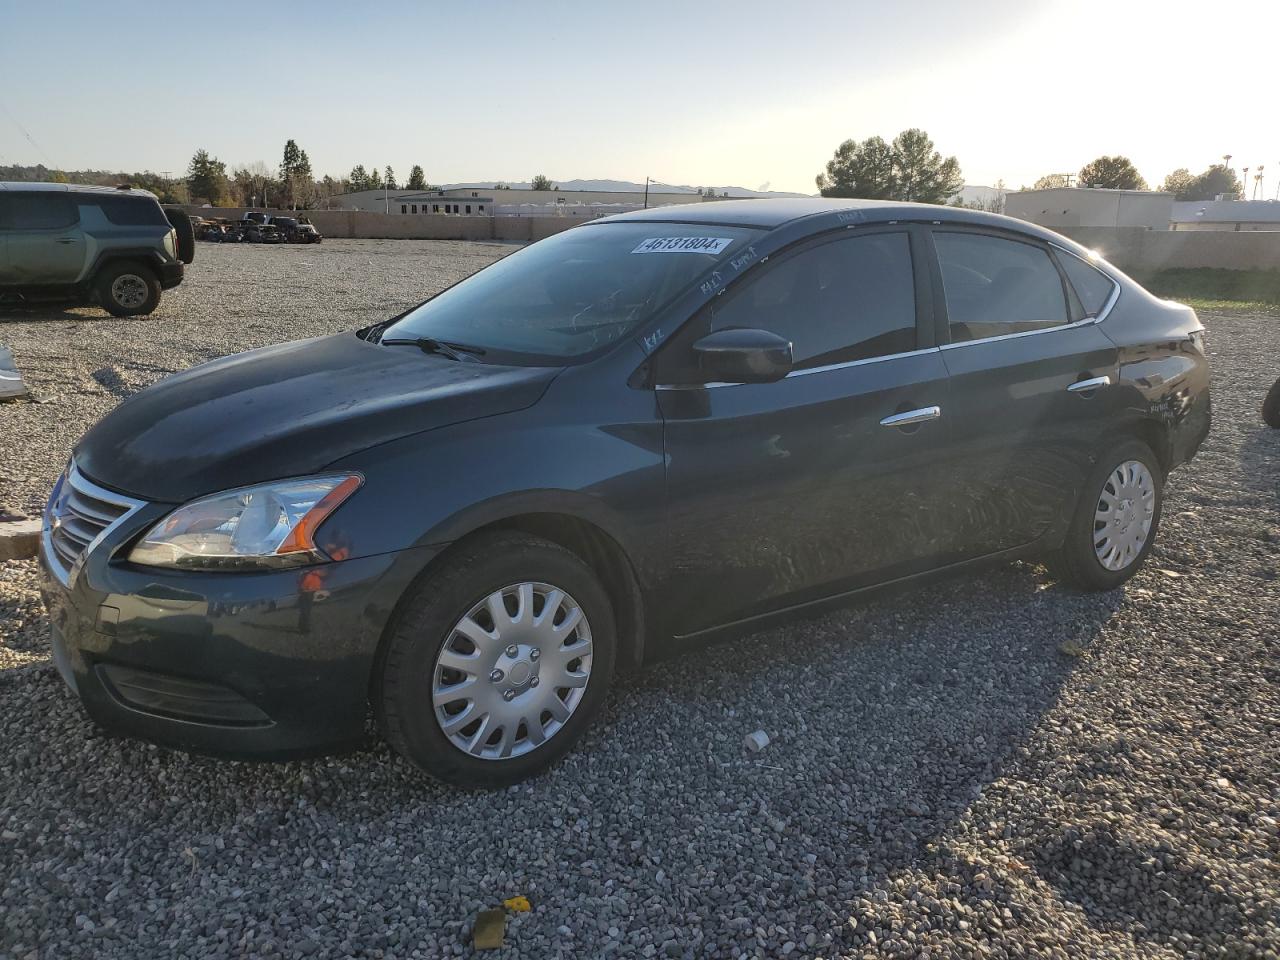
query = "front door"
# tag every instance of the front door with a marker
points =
(44, 243)
(786, 492)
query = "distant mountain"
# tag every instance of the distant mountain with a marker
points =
(627, 186)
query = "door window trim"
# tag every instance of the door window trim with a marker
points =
(943, 322)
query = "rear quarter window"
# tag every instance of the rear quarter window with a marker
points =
(130, 211)
(1092, 286)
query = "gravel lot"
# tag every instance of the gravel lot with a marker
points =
(993, 765)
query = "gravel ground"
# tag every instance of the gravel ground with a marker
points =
(989, 766)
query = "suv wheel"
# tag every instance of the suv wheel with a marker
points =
(128, 289)
(497, 662)
(1116, 519)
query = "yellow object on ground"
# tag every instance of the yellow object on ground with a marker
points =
(517, 904)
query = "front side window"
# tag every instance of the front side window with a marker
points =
(1092, 286)
(995, 286)
(20, 210)
(574, 293)
(849, 299)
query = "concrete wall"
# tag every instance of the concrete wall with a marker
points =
(1083, 207)
(1136, 249)
(357, 224)
(1129, 248)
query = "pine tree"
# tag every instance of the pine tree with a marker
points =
(417, 179)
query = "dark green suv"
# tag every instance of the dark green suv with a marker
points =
(115, 246)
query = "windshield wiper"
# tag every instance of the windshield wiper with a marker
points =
(454, 351)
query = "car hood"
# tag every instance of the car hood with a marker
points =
(289, 410)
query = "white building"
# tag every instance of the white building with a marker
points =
(1233, 215)
(1091, 207)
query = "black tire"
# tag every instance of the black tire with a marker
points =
(181, 223)
(106, 279)
(1271, 406)
(1077, 562)
(406, 669)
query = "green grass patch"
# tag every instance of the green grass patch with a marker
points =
(1212, 288)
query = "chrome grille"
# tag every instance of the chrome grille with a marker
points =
(79, 514)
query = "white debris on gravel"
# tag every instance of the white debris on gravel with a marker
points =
(756, 741)
(950, 784)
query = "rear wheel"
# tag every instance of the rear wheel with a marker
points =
(497, 662)
(1116, 520)
(1271, 406)
(128, 289)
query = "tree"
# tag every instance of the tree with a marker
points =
(1178, 182)
(358, 178)
(1051, 181)
(1217, 179)
(417, 179)
(859, 170)
(207, 179)
(292, 157)
(391, 179)
(907, 169)
(540, 182)
(375, 179)
(1112, 173)
(921, 173)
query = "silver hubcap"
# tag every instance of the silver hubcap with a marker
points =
(1122, 521)
(129, 290)
(512, 671)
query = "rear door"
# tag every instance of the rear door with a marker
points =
(45, 246)
(787, 492)
(1030, 390)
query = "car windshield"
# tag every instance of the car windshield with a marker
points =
(574, 293)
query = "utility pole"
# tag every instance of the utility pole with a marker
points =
(646, 193)
(386, 195)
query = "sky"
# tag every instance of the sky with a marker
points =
(743, 93)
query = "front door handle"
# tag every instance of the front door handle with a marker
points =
(1086, 386)
(65, 240)
(912, 417)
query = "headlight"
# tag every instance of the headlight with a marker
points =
(263, 526)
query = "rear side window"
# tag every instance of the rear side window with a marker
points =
(1092, 286)
(20, 210)
(850, 299)
(131, 211)
(995, 286)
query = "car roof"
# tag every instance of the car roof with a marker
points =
(769, 214)
(23, 186)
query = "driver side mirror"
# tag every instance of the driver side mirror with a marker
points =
(743, 356)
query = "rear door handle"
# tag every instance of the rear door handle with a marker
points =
(912, 416)
(1093, 383)
(65, 240)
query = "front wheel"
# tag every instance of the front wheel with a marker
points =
(1116, 520)
(497, 662)
(1271, 406)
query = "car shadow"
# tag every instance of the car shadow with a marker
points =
(29, 312)
(888, 720)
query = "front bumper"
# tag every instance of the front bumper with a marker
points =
(267, 665)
